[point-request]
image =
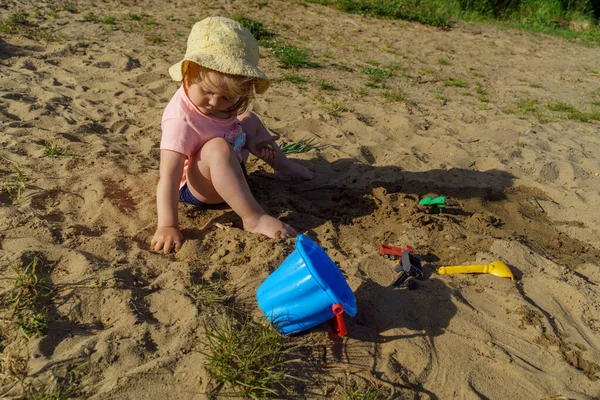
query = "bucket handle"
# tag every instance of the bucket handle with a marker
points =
(340, 328)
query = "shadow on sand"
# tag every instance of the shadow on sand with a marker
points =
(342, 189)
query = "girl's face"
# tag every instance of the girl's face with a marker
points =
(209, 98)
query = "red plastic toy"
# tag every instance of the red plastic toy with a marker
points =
(340, 324)
(392, 252)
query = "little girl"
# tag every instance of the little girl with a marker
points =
(207, 133)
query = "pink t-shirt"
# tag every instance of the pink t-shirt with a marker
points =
(185, 129)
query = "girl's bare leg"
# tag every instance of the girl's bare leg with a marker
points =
(215, 175)
(252, 125)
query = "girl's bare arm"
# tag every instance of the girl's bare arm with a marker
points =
(167, 233)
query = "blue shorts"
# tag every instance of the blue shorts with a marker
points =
(187, 197)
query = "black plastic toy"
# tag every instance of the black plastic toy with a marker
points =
(410, 268)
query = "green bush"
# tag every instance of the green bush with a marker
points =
(533, 13)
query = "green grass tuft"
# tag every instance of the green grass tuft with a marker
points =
(29, 286)
(256, 28)
(291, 56)
(33, 324)
(527, 106)
(15, 186)
(455, 82)
(155, 39)
(560, 106)
(15, 23)
(376, 75)
(481, 91)
(59, 388)
(573, 113)
(69, 7)
(134, 17)
(210, 293)
(24, 298)
(326, 86)
(370, 392)
(294, 78)
(18, 23)
(90, 17)
(344, 67)
(301, 146)
(394, 95)
(54, 151)
(336, 109)
(249, 355)
(144, 19)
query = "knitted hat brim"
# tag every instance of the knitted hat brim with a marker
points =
(224, 64)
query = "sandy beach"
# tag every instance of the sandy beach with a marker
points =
(400, 111)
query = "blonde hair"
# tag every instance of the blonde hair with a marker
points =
(234, 86)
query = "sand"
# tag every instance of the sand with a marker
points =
(521, 183)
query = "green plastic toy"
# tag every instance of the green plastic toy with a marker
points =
(435, 205)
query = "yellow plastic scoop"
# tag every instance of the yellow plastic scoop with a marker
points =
(497, 268)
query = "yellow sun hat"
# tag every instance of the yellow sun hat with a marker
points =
(223, 45)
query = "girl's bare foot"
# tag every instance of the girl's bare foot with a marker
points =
(294, 170)
(270, 227)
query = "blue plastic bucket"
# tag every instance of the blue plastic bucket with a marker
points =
(300, 293)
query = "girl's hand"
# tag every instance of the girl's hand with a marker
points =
(166, 238)
(262, 147)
